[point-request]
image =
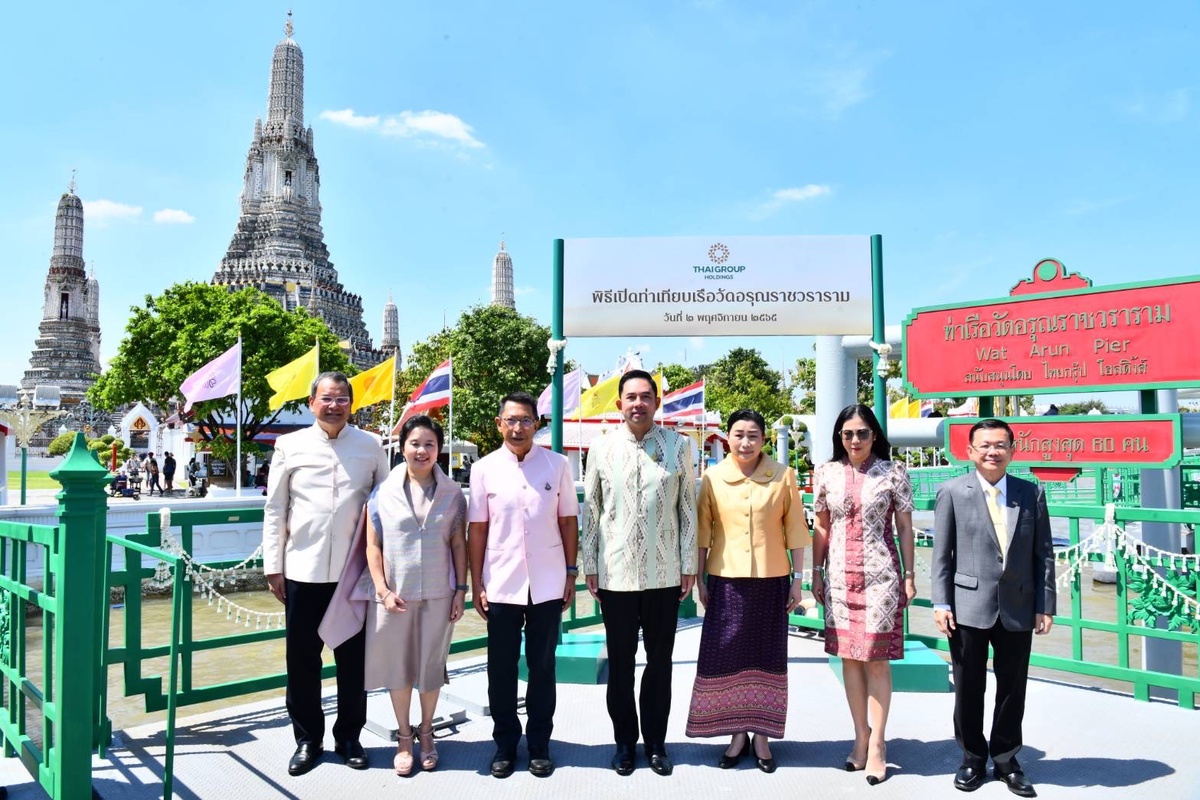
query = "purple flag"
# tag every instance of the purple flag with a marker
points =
(572, 383)
(220, 377)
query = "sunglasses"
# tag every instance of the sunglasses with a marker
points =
(862, 435)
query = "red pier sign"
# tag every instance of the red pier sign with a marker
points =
(1134, 336)
(1147, 440)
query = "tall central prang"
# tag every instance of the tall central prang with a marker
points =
(279, 246)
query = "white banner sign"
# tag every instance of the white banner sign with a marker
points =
(732, 286)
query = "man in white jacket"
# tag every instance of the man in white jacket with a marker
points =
(320, 480)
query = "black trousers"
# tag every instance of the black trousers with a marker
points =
(1010, 661)
(304, 608)
(540, 622)
(655, 612)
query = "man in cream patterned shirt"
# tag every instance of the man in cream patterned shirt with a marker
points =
(638, 554)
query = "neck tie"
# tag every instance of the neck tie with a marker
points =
(998, 521)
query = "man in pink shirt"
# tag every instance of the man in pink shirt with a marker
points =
(522, 537)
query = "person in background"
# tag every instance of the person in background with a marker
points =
(152, 475)
(168, 471)
(864, 501)
(417, 556)
(750, 516)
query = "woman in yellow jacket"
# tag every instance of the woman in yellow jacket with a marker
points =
(750, 515)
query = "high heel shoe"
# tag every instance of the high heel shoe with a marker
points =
(767, 765)
(730, 761)
(429, 753)
(876, 778)
(403, 762)
(855, 766)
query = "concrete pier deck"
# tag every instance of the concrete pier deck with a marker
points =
(1080, 743)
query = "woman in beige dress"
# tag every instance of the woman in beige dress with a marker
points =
(417, 556)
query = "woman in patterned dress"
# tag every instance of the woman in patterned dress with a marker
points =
(862, 500)
(749, 517)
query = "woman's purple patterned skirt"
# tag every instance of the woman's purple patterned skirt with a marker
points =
(741, 674)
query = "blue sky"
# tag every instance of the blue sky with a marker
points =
(977, 138)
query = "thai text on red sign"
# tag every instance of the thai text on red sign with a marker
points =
(1141, 336)
(1150, 440)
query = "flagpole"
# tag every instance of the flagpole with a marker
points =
(392, 407)
(238, 417)
(450, 452)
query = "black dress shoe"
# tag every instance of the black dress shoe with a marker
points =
(541, 765)
(660, 762)
(1017, 783)
(969, 778)
(503, 764)
(623, 759)
(730, 761)
(352, 754)
(305, 758)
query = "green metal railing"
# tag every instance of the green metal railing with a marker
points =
(62, 699)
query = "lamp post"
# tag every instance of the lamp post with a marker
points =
(25, 420)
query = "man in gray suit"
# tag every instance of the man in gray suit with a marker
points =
(992, 583)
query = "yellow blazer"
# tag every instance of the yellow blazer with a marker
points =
(749, 524)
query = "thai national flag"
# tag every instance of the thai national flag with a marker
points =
(685, 402)
(926, 408)
(434, 392)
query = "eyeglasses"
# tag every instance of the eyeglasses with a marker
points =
(334, 401)
(863, 434)
(512, 422)
(999, 447)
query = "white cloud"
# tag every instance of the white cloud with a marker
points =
(104, 211)
(796, 194)
(173, 216)
(696, 342)
(348, 118)
(522, 291)
(425, 126)
(1161, 107)
(845, 82)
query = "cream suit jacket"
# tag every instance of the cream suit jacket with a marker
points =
(315, 495)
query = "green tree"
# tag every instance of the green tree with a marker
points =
(190, 324)
(1083, 407)
(804, 378)
(742, 378)
(677, 375)
(61, 444)
(495, 351)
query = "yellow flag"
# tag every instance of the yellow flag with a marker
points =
(898, 408)
(602, 398)
(914, 409)
(375, 385)
(293, 381)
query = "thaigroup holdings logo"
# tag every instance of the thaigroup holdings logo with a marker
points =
(718, 269)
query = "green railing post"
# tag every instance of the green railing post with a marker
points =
(75, 574)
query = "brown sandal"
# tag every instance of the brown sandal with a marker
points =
(403, 762)
(429, 753)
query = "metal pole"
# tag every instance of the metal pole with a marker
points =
(556, 333)
(878, 334)
(24, 461)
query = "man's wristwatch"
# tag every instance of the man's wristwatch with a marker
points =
(572, 569)
(797, 576)
(460, 587)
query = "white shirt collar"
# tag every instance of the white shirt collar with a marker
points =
(1001, 484)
